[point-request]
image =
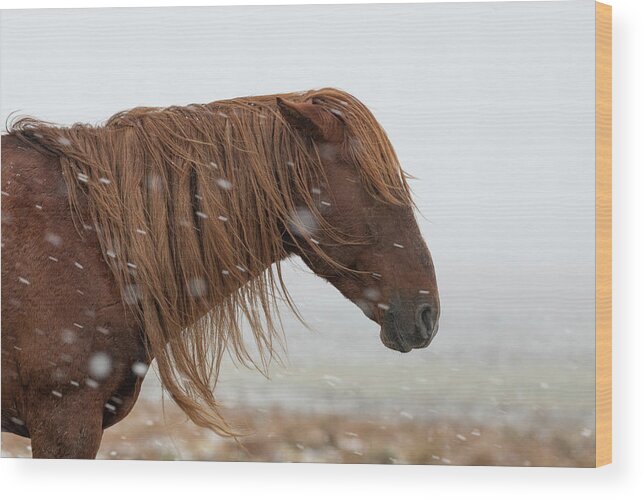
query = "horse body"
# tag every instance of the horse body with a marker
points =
(75, 349)
(58, 295)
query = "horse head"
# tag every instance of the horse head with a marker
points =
(367, 245)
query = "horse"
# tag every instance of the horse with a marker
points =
(159, 233)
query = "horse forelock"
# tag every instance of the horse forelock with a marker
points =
(190, 205)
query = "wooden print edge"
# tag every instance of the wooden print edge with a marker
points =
(603, 234)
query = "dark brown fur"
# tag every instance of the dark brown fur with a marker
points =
(164, 270)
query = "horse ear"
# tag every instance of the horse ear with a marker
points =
(312, 119)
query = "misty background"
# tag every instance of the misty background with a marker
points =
(490, 106)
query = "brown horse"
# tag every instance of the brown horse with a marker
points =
(155, 235)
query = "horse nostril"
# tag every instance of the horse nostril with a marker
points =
(426, 321)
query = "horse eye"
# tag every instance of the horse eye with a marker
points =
(372, 230)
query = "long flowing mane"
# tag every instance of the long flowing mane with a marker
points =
(191, 205)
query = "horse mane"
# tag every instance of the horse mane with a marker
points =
(191, 205)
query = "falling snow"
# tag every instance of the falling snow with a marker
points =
(68, 336)
(328, 151)
(154, 182)
(54, 239)
(302, 222)
(224, 184)
(198, 287)
(132, 294)
(100, 365)
(139, 368)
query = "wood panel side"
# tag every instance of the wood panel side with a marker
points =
(603, 234)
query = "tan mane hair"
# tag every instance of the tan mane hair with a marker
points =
(191, 205)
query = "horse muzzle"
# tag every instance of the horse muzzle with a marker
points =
(404, 332)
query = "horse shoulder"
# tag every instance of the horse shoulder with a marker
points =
(61, 307)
